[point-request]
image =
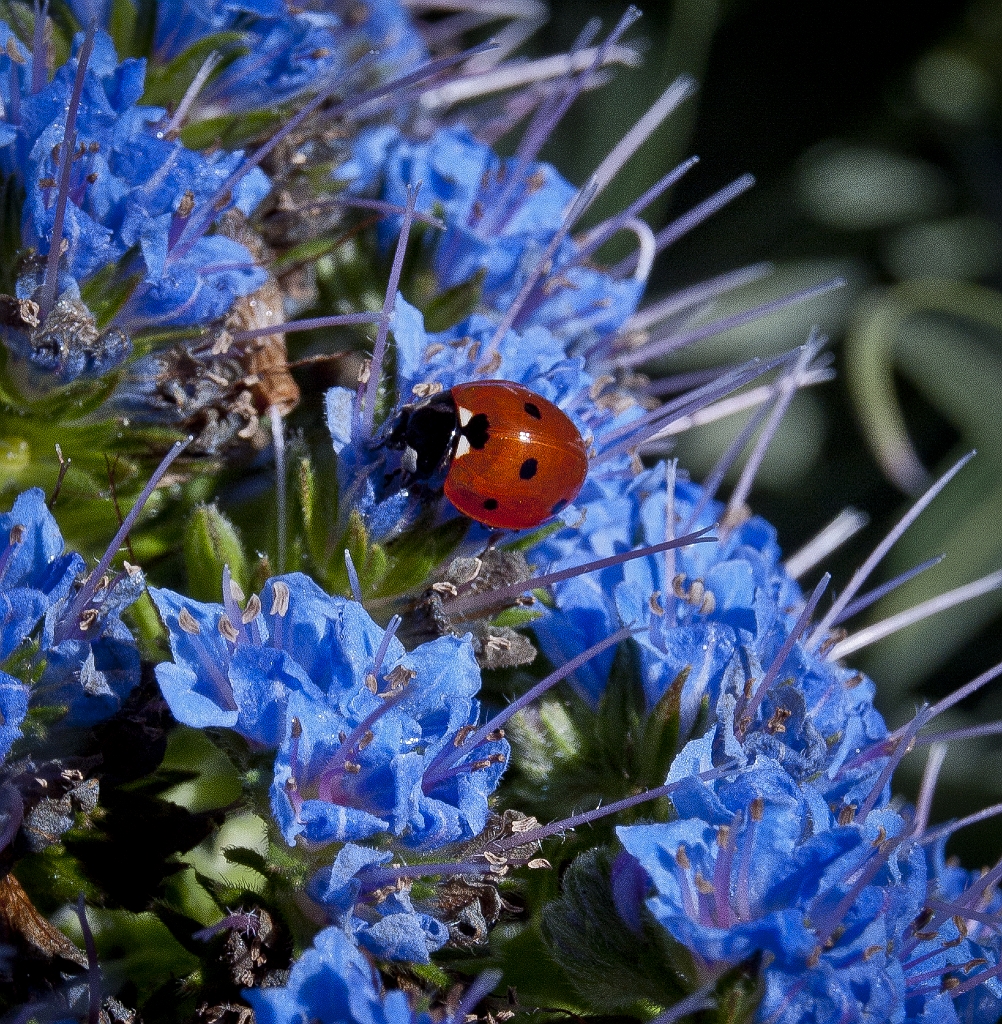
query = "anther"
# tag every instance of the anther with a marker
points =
(280, 595)
(227, 630)
(188, 623)
(252, 611)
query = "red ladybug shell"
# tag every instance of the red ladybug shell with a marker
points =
(518, 459)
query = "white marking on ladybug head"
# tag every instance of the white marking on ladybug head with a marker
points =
(463, 447)
(464, 415)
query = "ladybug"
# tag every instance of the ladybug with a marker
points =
(511, 459)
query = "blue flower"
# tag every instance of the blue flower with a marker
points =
(386, 924)
(138, 200)
(757, 864)
(361, 760)
(92, 664)
(236, 667)
(89, 665)
(500, 219)
(332, 983)
(13, 708)
(358, 720)
(34, 571)
(286, 50)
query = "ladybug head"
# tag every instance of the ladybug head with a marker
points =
(426, 434)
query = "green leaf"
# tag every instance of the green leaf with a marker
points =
(531, 970)
(134, 947)
(53, 878)
(211, 542)
(215, 781)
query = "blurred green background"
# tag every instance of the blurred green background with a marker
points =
(875, 136)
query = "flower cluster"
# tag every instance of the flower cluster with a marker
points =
(340, 749)
(133, 204)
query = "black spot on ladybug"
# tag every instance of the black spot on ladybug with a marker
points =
(533, 410)
(559, 506)
(490, 504)
(476, 431)
(528, 469)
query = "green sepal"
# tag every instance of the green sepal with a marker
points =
(305, 252)
(530, 540)
(144, 623)
(11, 201)
(516, 618)
(107, 291)
(659, 739)
(122, 25)
(38, 722)
(147, 341)
(231, 130)
(166, 83)
(412, 558)
(23, 662)
(454, 304)
(144, 29)
(248, 858)
(369, 559)
(611, 967)
(315, 490)
(432, 974)
(211, 542)
(737, 996)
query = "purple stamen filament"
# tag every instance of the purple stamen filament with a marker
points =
(38, 49)
(472, 603)
(47, 299)
(825, 926)
(69, 626)
(199, 223)
(746, 714)
(329, 787)
(389, 301)
(384, 645)
(443, 765)
(377, 877)
(315, 323)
